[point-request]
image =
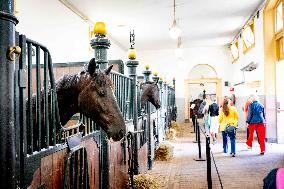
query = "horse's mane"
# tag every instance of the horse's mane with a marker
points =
(70, 80)
(149, 82)
(67, 81)
(102, 79)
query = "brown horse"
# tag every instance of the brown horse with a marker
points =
(89, 92)
(150, 92)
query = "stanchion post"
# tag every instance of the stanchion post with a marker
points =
(149, 129)
(194, 122)
(132, 64)
(195, 127)
(208, 159)
(101, 44)
(199, 143)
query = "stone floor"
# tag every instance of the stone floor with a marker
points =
(245, 171)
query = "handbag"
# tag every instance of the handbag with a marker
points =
(230, 129)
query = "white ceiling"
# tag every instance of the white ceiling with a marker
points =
(203, 22)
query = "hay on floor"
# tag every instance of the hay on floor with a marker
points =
(164, 152)
(171, 134)
(175, 125)
(145, 181)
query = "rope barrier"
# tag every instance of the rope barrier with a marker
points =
(209, 154)
(220, 181)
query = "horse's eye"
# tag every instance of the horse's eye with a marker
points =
(102, 93)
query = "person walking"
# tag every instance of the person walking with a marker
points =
(248, 102)
(228, 120)
(256, 120)
(214, 122)
(206, 115)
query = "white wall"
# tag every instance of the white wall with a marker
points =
(64, 33)
(255, 55)
(166, 64)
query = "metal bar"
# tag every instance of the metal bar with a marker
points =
(17, 112)
(38, 97)
(53, 118)
(72, 168)
(86, 178)
(81, 179)
(23, 121)
(46, 109)
(76, 169)
(208, 158)
(30, 102)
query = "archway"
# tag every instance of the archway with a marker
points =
(201, 77)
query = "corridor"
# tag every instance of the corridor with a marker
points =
(246, 170)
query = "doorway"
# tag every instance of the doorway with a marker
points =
(201, 77)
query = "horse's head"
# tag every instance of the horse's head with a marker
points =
(150, 92)
(97, 101)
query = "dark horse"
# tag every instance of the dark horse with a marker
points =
(89, 92)
(194, 111)
(150, 92)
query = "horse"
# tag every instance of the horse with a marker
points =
(195, 111)
(149, 91)
(89, 92)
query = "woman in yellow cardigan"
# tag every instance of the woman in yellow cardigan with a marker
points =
(228, 116)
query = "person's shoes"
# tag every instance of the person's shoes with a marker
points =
(248, 147)
(233, 154)
(262, 153)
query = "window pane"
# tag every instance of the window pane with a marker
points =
(234, 51)
(248, 36)
(279, 18)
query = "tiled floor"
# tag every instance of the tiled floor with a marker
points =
(245, 171)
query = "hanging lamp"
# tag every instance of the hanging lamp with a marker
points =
(174, 30)
(179, 50)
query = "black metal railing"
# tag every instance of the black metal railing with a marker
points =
(76, 175)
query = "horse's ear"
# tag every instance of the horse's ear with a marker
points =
(108, 70)
(92, 67)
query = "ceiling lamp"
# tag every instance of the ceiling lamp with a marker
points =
(179, 50)
(175, 31)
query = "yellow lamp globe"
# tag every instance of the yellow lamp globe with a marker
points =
(147, 67)
(132, 54)
(100, 28)
(155, 74)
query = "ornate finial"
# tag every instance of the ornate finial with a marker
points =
(100, 28)
(132, 51)
(147, 67)
(132, 39)
(155, 74)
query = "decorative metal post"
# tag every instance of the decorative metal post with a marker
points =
(132, 65)
(100, 44)
(7, 125)
(162, 122)
(155, 77)
(149, 130)
(167, 104)
(174, 100)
